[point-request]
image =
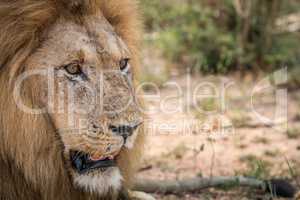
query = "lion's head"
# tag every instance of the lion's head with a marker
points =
(73, 91)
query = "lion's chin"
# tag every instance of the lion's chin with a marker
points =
(102, 183)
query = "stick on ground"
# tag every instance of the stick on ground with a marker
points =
(280, 188)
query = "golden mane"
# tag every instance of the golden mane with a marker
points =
(26, 139)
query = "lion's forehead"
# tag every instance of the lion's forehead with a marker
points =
(97, 41)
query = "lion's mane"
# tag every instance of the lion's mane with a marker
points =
(31, 161)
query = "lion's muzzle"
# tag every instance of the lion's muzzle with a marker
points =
(83, 162)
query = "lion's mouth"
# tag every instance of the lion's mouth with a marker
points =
(83, 163)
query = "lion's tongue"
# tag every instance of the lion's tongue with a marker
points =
(100, 158)
(96, 158)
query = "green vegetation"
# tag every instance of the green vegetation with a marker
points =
(256, 167)
(239, 118)
(208, 105)
(220, 36)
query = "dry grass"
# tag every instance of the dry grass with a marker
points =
(293, 133)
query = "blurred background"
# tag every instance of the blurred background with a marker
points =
(213, 36)
(241, 44)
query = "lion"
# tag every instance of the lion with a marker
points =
(71, 121)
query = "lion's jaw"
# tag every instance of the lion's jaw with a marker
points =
(109, 181)
(83, 123)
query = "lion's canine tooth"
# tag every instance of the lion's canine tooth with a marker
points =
(110, 157)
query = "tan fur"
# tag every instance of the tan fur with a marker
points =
(31, 160)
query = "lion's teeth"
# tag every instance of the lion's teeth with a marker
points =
(110, 157)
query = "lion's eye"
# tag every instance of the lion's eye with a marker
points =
(124, 65)
(73, 69)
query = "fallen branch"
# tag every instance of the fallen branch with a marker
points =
(257, 125)
(278, 188)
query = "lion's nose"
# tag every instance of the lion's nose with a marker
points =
(124, 130)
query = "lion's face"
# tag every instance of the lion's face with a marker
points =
(88, 94)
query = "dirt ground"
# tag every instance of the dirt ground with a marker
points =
(221, 126)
